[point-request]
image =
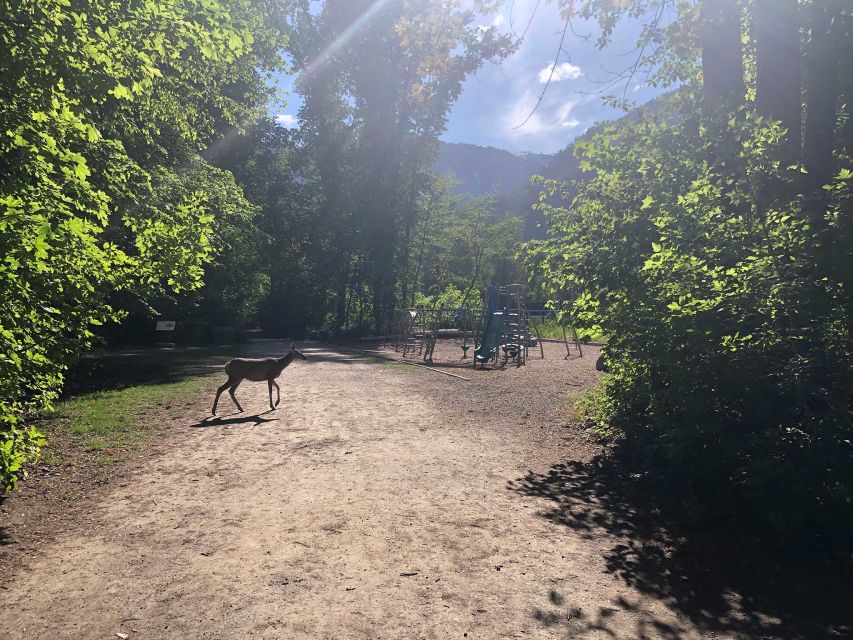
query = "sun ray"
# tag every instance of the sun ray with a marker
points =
(344, 38)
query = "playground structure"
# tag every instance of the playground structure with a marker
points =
(506, 326)
(503, 329)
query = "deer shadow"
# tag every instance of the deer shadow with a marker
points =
(712, 575)
(256, 419)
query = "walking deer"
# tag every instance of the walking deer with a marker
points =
(256, 370)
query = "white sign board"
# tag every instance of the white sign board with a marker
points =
(165, 325)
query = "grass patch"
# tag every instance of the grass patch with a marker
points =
(389, 364)
(105, 423)
(551, 329)
(593, 410)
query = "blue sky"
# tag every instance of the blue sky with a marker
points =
(501, 96)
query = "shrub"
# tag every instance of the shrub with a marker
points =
(726, 312)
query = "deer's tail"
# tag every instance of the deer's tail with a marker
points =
(228, 368)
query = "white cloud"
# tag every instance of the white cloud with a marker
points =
(564, 71)
(494, 24)
(564, 114)
(549, 117)
(287, 120)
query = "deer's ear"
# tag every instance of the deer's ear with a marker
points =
(293, 346)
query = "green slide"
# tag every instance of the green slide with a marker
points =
(490, 340)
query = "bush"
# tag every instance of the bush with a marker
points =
(727, 319)
(102, 188)
(449, 299)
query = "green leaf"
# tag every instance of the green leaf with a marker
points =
(121, 92)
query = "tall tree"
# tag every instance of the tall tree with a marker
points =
(720, 270)
(828, 48)
(778, 64)
(104, 107)
(722, 52)
(380, 78)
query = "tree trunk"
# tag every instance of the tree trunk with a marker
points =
(477, 263)
(409, 220)
(776, 30)
(822, 93)
(722, 53)
(844, 238)
(426, 222)
(341, 301)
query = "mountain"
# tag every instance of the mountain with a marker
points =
(483, 171)
(487, 171)
(564, 167)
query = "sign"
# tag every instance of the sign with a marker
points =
(165, 325)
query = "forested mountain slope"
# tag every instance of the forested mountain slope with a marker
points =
(482, 171)
(477, 167)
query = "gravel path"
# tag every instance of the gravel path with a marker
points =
(379, 501)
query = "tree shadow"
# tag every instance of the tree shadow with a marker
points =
(710, 574)
(339, 357)
(218, 421)
(152, 366)
(6, 538)
(577, 623)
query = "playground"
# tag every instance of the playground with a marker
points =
(503, 330)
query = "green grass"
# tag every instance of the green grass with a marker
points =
(551, 329)
(402, 367)
(105, 421)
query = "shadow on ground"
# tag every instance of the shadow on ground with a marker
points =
(5, 537)
(129, 368)
(222, 421)
(712, 579)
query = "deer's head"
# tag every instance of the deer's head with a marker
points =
(295, 352)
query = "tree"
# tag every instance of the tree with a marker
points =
(712, 245)
(375, 103)
(279, 177)
(103, 109)
(778, 66)
(458, 247)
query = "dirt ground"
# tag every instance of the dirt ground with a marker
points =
(378, 501)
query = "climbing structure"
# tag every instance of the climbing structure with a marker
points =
(506, 325)
(412, 331)
(516, 335)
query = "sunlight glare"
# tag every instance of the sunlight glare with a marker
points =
(343, 39)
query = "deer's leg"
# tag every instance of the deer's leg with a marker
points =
(277, 393)
(270, 383)
(233, 397)
(219, 393)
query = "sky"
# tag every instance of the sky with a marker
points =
(499, 98)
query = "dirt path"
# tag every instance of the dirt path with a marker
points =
(377, 502)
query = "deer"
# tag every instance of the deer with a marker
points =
(256, 370)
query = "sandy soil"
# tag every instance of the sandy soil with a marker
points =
(378, 501)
